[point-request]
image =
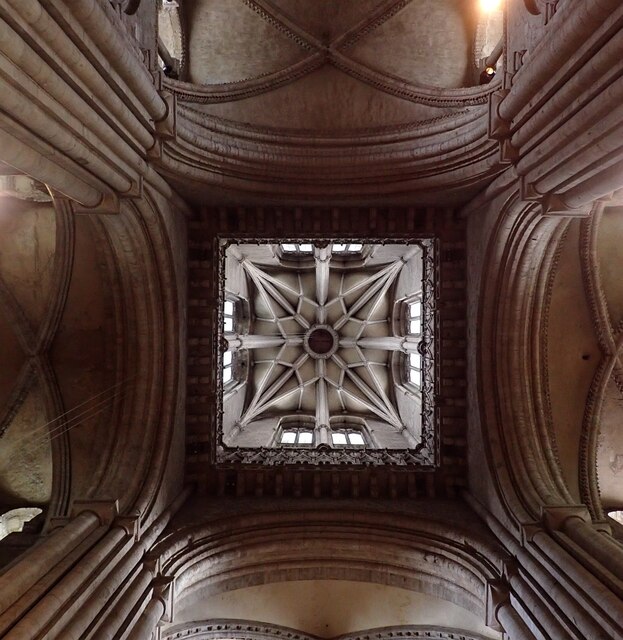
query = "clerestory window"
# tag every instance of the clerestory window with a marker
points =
(297, 436)
(296, 248)
(414, 318)
(228, 367)
(346, 437)
(414, 369)
(347, 249)
(229, 316)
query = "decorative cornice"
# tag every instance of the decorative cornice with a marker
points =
(249, 630)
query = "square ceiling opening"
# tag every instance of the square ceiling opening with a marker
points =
(326, 352)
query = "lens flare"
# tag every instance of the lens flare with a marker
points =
(489, 5)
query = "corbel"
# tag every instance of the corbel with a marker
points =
(105, 510)
(131, 525)
(552, 205)
(528, 531)
(509, 154)
(554, 518)
(165, 592)
(108, 205)
(166, 127)
(498, 127)
(497, 595)
(151, 562)
(528, 192)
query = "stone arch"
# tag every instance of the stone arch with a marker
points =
(452, 563)
(512, 389)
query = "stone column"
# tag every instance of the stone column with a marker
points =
(500, 613)
(572, 526)
(159, 608)
(45, 613)
(38, 561)
(514, 627)
(144, 628)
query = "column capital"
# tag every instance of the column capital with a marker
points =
(497, 595)
(105, 510)
(554, 518)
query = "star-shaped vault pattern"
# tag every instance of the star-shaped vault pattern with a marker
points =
(325, 341)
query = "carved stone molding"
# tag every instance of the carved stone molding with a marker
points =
(249, 630)
(213, 153)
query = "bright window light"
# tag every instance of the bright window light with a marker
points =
(415, 360)
(356, 439)
(415, 309)
(227, 374)
(489, 5)
(227, 358)
(229, 312)
(415, 327)
(306, 248)
(305, 437)
(288, 437)
(347, 248)
(291, 248)
(338, 438)
(616, 515)
(415, 377)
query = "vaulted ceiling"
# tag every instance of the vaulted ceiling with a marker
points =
(353, 302)
(328, 94)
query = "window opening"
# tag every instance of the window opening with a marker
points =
(297, 436)
(347, 438)
(414, 318)
(616, 515)
(297, 248)
(228, 361)
(415, 369)
(229, 317)
(347, 248)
